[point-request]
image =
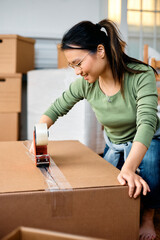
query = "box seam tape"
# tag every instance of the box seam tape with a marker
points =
(53, 176)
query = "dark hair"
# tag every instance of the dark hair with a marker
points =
(86, 35)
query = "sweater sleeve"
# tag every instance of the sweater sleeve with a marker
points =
(146, 93)
(69, 98)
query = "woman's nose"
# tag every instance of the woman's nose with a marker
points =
(78, 70)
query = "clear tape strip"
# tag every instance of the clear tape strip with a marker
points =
(53, 176)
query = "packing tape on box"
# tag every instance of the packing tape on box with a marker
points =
(52, 174)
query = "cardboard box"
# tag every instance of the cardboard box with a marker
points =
(9, 126)
(16, 54)
(62, 61)
(10, 92)
(85, 197)
(23, 233)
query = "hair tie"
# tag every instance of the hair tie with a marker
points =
(99, 26)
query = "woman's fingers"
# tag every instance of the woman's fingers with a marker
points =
(121, 179)
(140, 185)
(131, 185)
(138, 188)
(135, 183)
(127, 178)
(145, 186)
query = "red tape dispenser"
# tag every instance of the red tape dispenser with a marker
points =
(40, 141)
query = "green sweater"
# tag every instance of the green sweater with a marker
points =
(133, 118)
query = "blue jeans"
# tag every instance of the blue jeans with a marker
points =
(150, 172)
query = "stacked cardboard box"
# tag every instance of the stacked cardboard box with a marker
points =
(62, 61)
(16, 58)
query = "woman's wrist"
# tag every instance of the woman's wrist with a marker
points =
(135, 157)
(47, 120)
(130, 165)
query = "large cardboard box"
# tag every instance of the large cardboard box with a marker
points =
(79, 194)
(62, 61)
(16, 54)
(23, 233)
(9, 126)
(10, 92)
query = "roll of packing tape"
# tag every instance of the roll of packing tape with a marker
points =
(41, 134)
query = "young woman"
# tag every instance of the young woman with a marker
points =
(122, 92)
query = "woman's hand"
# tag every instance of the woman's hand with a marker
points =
(49, 122)
(128, 176)
(135, 182)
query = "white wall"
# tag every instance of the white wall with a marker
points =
(47, 18)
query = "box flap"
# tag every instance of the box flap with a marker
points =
(18, 172)
(81, 167)
(26, 233)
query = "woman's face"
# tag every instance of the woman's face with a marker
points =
(88, 65)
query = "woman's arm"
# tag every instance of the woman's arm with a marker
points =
(146, 96)
(128, 175)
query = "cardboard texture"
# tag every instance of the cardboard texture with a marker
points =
(24, 233)
(62, 61)
(16, 54)
(94, 205)
(9, 125)
(10, 92)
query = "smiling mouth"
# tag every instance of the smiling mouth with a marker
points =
(85, 76)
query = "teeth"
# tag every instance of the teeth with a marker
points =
(85, 75)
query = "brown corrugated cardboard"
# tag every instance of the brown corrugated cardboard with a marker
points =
(10, 92)
(16, 54)
(62, 61)
(9, 123)
(23, 233)
(94, 205)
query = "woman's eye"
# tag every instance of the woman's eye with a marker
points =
(78, 64)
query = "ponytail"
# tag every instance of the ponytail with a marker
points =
(114, 49)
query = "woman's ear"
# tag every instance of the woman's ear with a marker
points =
(101, 50)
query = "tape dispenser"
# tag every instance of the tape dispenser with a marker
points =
(40, 142)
